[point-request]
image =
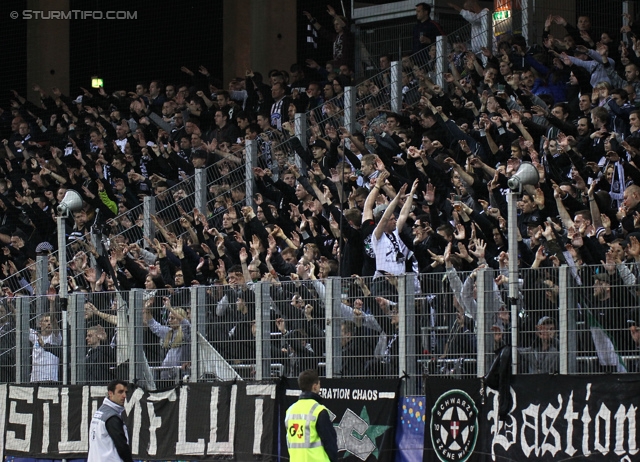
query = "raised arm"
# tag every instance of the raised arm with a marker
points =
(406, 208)
(567, 221)
(367, 213)
(379, 230)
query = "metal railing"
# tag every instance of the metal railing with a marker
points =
(568, 320)
(35, 278)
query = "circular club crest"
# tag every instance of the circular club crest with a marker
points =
(454, 426)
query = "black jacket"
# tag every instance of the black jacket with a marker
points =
(499, 378)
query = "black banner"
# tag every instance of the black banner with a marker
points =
(227, 420)
(552, 418)
(363, 414)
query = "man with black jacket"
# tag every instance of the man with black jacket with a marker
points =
(631, 202)
(318, 152)
(99, 357)
(426, 30)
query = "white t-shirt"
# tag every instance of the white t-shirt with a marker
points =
(387, 253)
(44, 365)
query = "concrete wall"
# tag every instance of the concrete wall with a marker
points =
(47, 49)
(258, 35)
(544, 8)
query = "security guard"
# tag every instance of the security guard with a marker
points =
(310, 433)
(108, 436)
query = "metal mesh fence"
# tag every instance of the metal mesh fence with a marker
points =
(226, 192)
(27, 282)
(447, 334)
(377, 41)
(581, 321)
(330, 114)
(602, 320)
(172, 204)
(127, 225)
(20, 282)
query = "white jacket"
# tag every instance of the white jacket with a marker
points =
(101, 446)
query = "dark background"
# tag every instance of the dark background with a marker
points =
(318, 8)
(13, 57)
(165, 36)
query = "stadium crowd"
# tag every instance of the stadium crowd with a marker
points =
(420, 191)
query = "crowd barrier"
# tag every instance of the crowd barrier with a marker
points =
(345, 327)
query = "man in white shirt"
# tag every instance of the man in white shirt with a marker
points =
(391, 253)
(108, 434)
(45, 357)
(479, 18)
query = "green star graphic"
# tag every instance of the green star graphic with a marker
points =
(373, 432)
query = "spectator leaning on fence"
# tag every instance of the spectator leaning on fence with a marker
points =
(175, 338)
(47, 350)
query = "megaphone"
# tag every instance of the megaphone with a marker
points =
(72, 202)
(526, 174)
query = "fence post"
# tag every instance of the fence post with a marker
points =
(300, 130)
(396, 87)
(482, 320)
(350, 109)
(197, 320)
(572, 327)
(486, 36)
(23, 345)
(78, 340)
(563, 343)
(514, 276)
(200, 184)
(441, 60)
(62, 256)
(149, 204)
(251, 161)
(625, 20)
(42, 282)
(358, 49)
(63, 292)
(407, 331)
(122, 345)
(263, 332)
(333, 298)
(527, 21)
(96, 241)
(136, 339)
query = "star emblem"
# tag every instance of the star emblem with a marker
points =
(454, 429)
(357, 436)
